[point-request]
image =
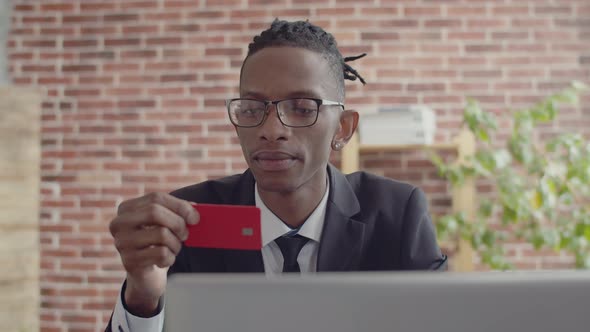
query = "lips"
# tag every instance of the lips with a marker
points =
(274, 161)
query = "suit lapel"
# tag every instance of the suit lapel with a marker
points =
(243, 260)
(342, 241)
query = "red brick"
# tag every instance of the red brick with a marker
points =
(510, 10)
(57, 305)
(122, 42)
(189, 27)
(295, 13)
(424, 62)
(38, 68)
(128, 5)
(395, 73)
(20, 56)
(335, 11)
(163, 166)
(131, 54)
(457, 10)
(163, 41)
(121, 66)
(530, 22)
(381, 36)
(130, 79)
(81, 92)
(124, 191)
(515, 35)
(95, 104)
(167, 66)
(147, 103)
(59, 7)
(163, 141)
(554, 35)
(206, 64)
(79, 19)
(363, 24)
(39, 19)
(123, 91)
(97, 129)
(442, 23)
(419, 11)
(552, 10)
(143, 129)
(468, 60)
(39, 43)
(247, 13)
(414, 36)
(78, 68)
(223, 27)
(487, 23)
(482, 73)
(180, 103)
(100, 30)
(426, 87)
(527, 48)
(96, 6)
(178, 78)
(383, 11)
(163, 16)
(140, 29)
(121, 141)
(396, 100)
(86, 203)
(24, 8)
(79, 318)
(120, 17)
(61, 31)
(166, 91)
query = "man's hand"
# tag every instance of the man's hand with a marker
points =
(148, 233)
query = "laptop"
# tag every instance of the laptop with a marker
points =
(406, 302)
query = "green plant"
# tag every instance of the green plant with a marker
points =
(541, 191)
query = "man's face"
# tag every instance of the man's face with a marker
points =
(283, 159)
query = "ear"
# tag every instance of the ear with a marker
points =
(348, 122)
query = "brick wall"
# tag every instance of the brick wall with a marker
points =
(133, 96)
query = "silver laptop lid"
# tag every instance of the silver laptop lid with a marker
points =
(408, 302)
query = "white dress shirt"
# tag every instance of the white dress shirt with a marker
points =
(272, 228)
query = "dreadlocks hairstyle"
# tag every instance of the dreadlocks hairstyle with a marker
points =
(306, 35)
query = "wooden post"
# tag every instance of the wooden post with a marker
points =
(464, 200)
(350, 155)
(20, 151)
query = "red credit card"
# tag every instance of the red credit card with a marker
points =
(226, 227)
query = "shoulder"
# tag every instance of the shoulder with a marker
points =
(364, 183)
(386, 197)
(210, 191)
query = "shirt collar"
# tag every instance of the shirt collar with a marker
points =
(272, 227)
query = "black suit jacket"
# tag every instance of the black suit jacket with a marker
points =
(372, 224)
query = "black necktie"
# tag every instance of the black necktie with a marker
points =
(290, 247)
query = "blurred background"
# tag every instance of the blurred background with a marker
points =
(107, 100)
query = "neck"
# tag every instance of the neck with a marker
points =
(294, 207)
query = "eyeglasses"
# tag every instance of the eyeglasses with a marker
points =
(295, 112)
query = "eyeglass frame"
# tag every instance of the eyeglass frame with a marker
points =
(319, 102)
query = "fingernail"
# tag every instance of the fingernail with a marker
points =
(195, 218)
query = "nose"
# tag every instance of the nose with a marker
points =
(272, 129)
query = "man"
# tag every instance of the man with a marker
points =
(289, 117)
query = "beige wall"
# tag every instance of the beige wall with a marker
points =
(19, 209)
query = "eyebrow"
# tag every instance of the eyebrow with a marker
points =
(294, 94)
